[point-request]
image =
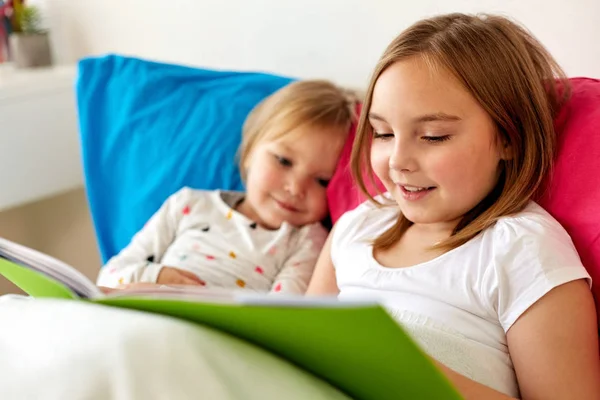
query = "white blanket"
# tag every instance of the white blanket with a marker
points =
(52, 349)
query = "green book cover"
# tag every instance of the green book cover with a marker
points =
(357, 347)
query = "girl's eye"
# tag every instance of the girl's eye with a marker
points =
(436, 139)
(323, 182)
(286, 162)
(382, 136)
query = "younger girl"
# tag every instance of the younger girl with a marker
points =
(267, 239)
(458, 126)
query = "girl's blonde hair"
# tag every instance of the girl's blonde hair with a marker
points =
(512, 76)
(316, 103)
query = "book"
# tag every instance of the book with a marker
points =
(355, 346)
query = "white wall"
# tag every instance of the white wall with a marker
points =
(336, 39)
(39, 144)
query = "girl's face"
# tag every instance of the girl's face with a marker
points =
(434, 147)
(287, 178)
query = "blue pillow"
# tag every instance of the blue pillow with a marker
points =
(148, 129)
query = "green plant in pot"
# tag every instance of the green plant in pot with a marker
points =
(29, 43)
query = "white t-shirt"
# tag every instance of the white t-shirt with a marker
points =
(201, 232)
(460, 305)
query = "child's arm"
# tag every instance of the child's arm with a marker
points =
(323, 281)
(554, 348)
(554, 345)
(297, 270)
(140, 260)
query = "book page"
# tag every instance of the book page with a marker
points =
(50, 267)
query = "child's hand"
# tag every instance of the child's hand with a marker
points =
(106, 290)
(176, 276)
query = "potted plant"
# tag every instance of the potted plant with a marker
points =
(29, 42)
(5, 13)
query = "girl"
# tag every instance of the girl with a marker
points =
(458, 126)
(268, 238)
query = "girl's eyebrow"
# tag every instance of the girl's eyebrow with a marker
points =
(440, 116)
(376, 117)
(285, 148)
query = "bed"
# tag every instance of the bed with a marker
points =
(148, 129)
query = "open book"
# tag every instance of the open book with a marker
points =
(357, 347)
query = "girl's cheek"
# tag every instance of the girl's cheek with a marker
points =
(380, 160)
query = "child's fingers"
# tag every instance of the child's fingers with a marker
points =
(176, 276)
(183, 280)
(188, 276)
(187, 281)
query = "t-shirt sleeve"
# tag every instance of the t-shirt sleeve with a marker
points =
(533, 255)
(341, 231)
(365, 221)
(140, 261)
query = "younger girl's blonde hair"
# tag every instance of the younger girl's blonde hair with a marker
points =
(316, 103)
(512, 77)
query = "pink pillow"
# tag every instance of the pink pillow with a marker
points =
(342, 194)
(573, 192)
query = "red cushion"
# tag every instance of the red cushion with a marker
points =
(573, 192)
(342, 194)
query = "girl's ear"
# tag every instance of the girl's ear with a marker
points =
(505, 149)
(506, 152)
